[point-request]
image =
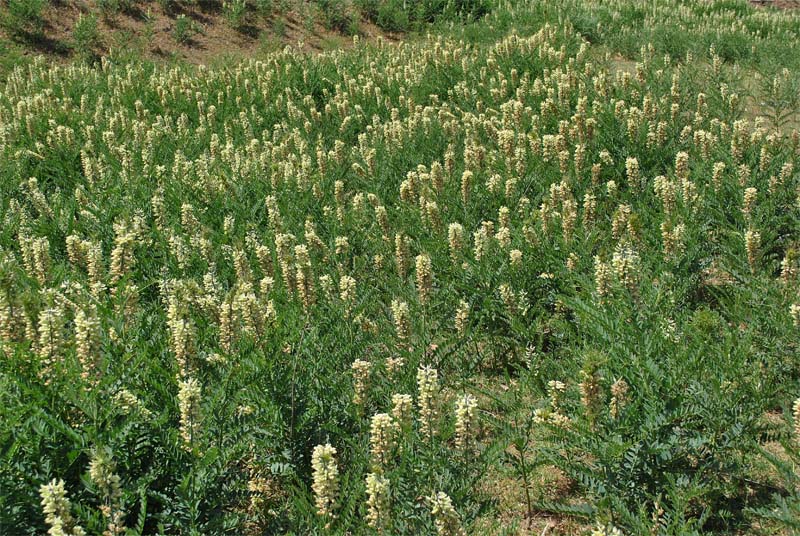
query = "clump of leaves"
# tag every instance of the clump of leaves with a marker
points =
(339, 15)
(185, 29)
(85, 36)
(235, 12)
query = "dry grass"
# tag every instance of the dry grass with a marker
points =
(547, 483)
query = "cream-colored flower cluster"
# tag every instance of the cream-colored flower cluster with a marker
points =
(445, 516)
(428, 401)
(361, 374)
(56, 507)
(378, 514)
(602, 530)
(382, 437)
(326, 479)
(189, 400)
(796, 417)
(466, 421)
(102, 473)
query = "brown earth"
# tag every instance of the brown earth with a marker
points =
(779, 4)
(148, 31)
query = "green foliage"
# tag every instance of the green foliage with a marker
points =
(23, 19)
(184, 29)
(235, 12)
(11, 55)
(339, 15)
(400, 15)
(169, 6)
(679, 434)
(390, 15)
(783, 512)
(279, 27)
(112, 8)
(109, 8)
(264, 7)
(85, 36)
(310, 15)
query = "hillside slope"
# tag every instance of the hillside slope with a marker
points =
(202, 31)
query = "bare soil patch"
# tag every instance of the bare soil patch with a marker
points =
(779, 4)
(150, 32)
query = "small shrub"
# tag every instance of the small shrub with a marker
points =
(109, 8)
(389, 15)
(309, 17)
(235, 12)
(149, 31)
(264, 7)
(279, 27)
(588, 26)
(392, 17)
(167, 5)
(85, 36)
(185, 29)
(340, 16)
(707, 323)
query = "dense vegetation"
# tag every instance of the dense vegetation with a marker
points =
(541, 269)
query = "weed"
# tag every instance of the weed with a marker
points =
(85, 36)
(184, 29)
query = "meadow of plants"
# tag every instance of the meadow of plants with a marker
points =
(534, 274)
